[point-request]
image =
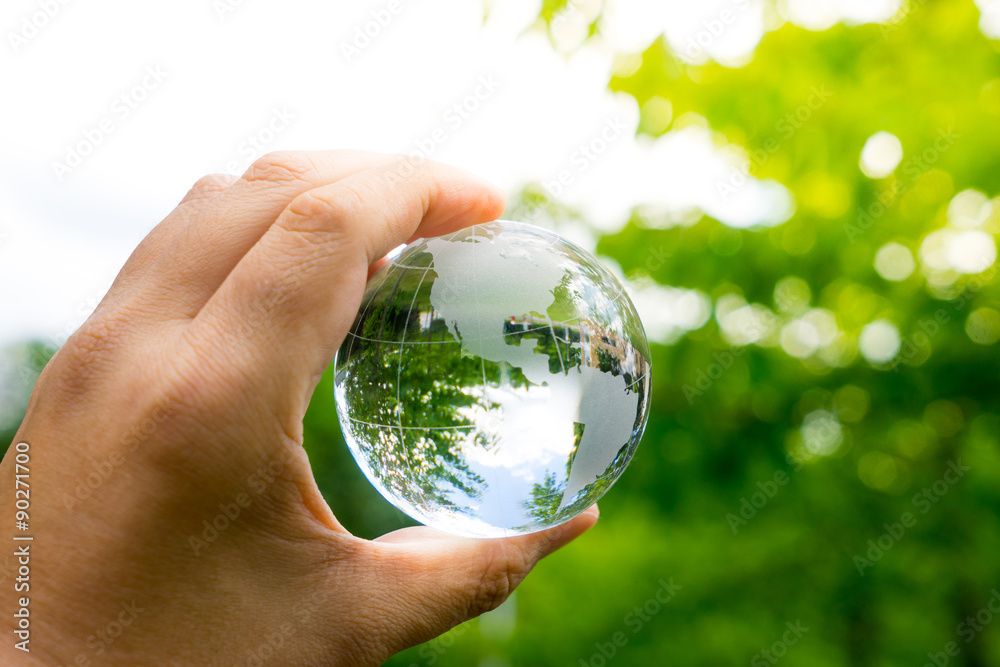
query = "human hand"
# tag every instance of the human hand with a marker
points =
(178, 406)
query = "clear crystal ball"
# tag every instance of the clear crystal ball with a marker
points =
(495, 381)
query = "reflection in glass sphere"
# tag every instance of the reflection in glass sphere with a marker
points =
(495, 382)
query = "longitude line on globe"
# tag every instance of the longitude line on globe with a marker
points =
(496, 473)
(399, 375)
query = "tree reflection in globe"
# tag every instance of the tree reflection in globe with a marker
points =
(495, 382)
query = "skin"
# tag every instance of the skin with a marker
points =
(182, 397)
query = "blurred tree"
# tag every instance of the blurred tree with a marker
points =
(788, 481)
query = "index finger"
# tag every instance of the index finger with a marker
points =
(297, 291)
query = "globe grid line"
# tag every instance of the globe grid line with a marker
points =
(621, 287)
(399, 374)
(364, 311)
(496, 472)
(420, 428)
(540, 327)
(638, 379)
(555, 341)
(381, 328)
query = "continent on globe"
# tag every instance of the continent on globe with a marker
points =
(471, 300)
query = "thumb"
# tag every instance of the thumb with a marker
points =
(435, 581)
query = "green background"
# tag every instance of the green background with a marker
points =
(892, 429)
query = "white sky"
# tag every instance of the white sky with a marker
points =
(63, 240)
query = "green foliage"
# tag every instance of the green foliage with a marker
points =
(803, 108)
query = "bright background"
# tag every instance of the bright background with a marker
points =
(802, 197)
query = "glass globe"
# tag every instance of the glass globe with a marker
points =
(495, 381)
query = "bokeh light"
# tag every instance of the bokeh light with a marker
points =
(983, 326)
(945, 417)
(881, 155)
(879, 341)
(851, 403)
(894, 261)
(822, 433)
(792, 294)
(668, 312)
(877, 470)
(971, 251)
(969, 208)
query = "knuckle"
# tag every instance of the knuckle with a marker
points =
(98, 338)
(315, 221)
(91, 354)
(312, 212)
(208, 186)
(492, 591)
(501, 575)
(208, 181)
(279, 167)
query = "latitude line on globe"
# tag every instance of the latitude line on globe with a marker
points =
(364, 312)
(416, 428)
(540, 327)
(621, 287)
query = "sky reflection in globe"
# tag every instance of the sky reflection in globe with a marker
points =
(495, 382)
